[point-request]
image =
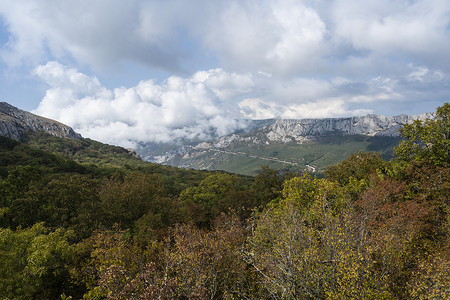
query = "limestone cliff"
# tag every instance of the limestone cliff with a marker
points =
(14, 123)
(306, 129)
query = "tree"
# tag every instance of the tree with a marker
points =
(427, 140)
(217, 193)
(208, 262)
(125, 199)
(358, 166)
(192, 263)
(268, 185)
(18, 208)
(69, 201)
(109, 259)
(34, 263)
(298, 244)
(17, 183)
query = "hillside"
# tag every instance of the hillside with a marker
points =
(28, 139)
(55, 137)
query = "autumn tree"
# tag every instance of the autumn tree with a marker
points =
(297, 244)
(192, 263)
(209, 262)
(108, 260)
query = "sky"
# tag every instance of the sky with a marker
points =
(124, 72)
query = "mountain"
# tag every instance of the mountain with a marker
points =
(296, 145)
(54, 137)
(14, 123)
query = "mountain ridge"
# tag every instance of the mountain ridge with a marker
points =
(305, 130)
(55, 137)
(14, 123)
(369, 125)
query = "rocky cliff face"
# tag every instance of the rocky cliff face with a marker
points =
(284, 131)
(15, 122)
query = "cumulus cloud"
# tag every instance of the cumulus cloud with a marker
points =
(196, 107)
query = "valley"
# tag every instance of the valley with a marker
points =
(309, 145)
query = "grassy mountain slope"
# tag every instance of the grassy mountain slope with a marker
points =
(91, 156)
(14, 153)
(84, 151)
(248, 159)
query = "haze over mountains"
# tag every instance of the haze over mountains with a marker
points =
(306, 144)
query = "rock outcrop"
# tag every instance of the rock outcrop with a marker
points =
(284, 131)
(14, 123)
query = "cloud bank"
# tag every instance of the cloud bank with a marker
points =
(208, 103)
(194, 107)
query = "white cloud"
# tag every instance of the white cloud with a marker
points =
(423, 74)
(99, 33)
(254, 108)
(408, 29)
(278, 37)
(177, 108)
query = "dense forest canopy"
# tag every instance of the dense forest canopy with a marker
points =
(95, 224)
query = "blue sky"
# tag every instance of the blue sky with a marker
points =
(149, 71)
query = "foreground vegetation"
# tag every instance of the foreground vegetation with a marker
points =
(371, 229)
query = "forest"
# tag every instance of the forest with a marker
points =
(90, 227)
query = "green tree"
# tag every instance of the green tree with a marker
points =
(34, 263)
(125, 199)
(217, 193)
(267, 186)
(427, 140)
(357, 166)
(17, 183)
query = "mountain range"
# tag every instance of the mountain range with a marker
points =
(295, 145)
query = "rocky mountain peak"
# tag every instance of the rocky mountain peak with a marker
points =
(14, 123)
